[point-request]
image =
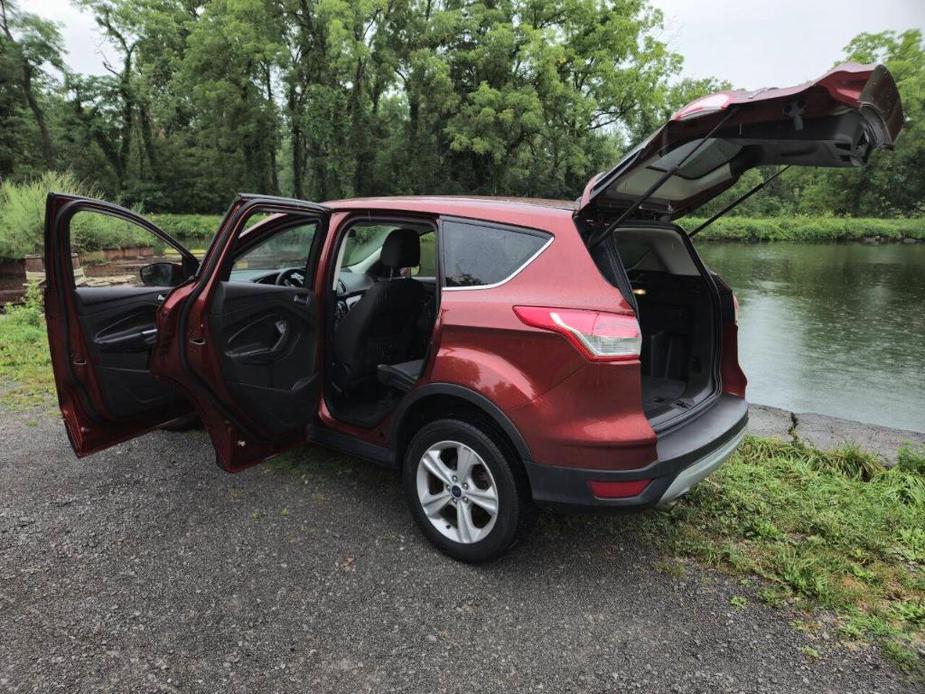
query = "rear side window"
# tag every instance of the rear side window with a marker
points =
(477, 254)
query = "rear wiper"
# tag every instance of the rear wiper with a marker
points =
(738, 200)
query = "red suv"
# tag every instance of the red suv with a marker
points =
(500, 352)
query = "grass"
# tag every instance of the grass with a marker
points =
(22, 219)
(831, 529)
(818, 229)
(26, 379)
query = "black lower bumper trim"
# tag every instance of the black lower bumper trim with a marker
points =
(567, 487)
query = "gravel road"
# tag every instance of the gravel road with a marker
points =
(146, 568)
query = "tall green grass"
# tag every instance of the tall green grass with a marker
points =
(821, 229)
(22, 219)
(832, 528)
(26, 378)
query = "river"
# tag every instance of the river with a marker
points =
(837, 329)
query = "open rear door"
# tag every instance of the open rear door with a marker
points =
(837, 120)
(244, 336)
(101, 330)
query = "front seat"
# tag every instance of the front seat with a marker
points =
(380, 328)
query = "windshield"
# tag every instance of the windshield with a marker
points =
(363, 242)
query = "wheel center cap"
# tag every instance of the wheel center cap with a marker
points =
(456, 491)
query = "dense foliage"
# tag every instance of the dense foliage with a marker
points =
(329, 98)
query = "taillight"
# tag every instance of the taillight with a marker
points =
(598, 335)
(735, 309)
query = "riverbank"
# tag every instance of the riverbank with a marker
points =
(810, 229)
(830, 433)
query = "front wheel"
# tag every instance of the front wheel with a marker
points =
(468, 497)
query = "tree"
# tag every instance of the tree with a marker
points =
(27, 45)
(893, 183)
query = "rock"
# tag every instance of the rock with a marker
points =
(770, 422)
(831, 432)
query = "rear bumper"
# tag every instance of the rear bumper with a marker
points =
(686, 455)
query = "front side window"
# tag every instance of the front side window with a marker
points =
(477, 254)
(112, 251)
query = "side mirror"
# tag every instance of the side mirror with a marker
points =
(161, 274)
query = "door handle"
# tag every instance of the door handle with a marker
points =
(303, 299)
(134, 340)
(261, 355)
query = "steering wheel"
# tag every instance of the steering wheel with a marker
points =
(291, 277)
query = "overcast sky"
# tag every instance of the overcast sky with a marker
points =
(751, 43)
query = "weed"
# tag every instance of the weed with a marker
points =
(811, 653)
(26, 379)
(670, 567)
(912, 459)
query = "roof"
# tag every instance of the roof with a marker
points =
(473, 200)
(539, 213)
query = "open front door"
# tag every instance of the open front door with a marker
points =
(101, 330)
(248, 330)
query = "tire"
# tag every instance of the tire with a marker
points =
(458, 520)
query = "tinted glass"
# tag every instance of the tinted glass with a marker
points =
(364, 242)
(475, 255)
(283, 250)
(117, 252)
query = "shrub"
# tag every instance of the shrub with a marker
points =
(808, 229)
(22, 211)
(912, 459)
(22, 218)
(188, 227)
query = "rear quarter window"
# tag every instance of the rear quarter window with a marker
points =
(477, 254)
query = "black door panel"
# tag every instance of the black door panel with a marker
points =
(267, 337)
(118, 323)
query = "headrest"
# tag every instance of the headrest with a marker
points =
(402, 248)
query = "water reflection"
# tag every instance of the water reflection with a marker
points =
(835, 329)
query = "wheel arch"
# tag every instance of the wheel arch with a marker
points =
(438, 400)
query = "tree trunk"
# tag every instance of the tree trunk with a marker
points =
(38, 114)
(25, 83)
(274, 174)
(297, 144)
(360, 136)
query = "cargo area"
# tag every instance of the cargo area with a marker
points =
(678, 314)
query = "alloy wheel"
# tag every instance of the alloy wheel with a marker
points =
(457, 492)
